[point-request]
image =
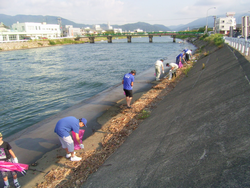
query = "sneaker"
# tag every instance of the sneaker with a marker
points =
(17, 185)
(129, 107)
(6, 186)
(68, 155)
(75, 158)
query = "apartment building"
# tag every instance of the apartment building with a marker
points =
(223, 24)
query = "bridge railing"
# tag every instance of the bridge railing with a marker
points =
(143, 34)
(239, 44)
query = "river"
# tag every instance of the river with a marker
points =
(38, 83)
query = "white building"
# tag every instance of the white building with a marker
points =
(22, 31)
(70, 31)
(223, 24)
(138, 31)
(117, 30)
(38, 30)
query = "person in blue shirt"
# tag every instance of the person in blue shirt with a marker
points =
(63, 128)
(180, 57)
(128, 82)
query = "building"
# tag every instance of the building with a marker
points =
(38, 30)
(245, 26)
(70, 31)
(30, 30)
(223, 25)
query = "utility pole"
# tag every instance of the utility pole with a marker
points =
(214, 24)
(60, 25)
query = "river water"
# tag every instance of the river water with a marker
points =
(38, 83)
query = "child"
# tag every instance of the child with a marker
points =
(5, 155)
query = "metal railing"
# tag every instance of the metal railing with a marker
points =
(142, 34)
(239, 44)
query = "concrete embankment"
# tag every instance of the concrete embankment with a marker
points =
(27, 45)
(198, 136)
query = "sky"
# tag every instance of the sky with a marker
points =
(120, 12)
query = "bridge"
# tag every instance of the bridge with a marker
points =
(136, 34)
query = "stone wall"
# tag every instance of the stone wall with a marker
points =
(23, 45)
(27, 44)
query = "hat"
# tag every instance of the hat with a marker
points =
(1, 135)
(133, 71)
(84, 121)
(167, 64)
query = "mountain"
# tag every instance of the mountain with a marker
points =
(10, 20)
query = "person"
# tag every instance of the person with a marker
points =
(173, 69)
(158, 67)
(180, 57)
(128, 82)
(6, 153)
(63, 128)
(188, 55)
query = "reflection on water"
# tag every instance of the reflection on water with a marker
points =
(37, 83)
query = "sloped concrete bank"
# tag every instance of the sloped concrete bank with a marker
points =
(198, 136)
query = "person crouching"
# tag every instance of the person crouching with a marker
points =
(173, 69)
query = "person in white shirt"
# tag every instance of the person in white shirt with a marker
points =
(188, 55)
(173, 69)
(158, 67)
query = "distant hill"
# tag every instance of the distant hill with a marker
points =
(201, 22)
(10, 20)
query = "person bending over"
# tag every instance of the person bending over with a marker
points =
(63, 128)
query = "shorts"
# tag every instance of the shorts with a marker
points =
(5, 173)
(67, 142)
(128, 93)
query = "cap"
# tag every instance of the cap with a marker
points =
(84, 121)
(1, 135)
(133, 71)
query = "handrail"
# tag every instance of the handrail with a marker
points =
(143, 34)
(239, 44)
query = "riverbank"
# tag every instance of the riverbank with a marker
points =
(29, 44)
(117, 124)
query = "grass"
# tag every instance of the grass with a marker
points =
(64, 41)
(216, 39)
(144, 114)
(186, 70)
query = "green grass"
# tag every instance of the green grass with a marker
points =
(216, 39)
(64, 41)
(187, 70)
(144, 114)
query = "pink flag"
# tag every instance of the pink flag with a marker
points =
(8, 166)
(76, 144)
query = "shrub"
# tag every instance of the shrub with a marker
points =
(216, 39)
(51, 42)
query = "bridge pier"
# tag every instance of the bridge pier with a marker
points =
(150, 38)
(109, 39)
(91, 39)
(129, 39)
(174, 37)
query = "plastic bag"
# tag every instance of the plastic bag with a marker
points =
(180, 65)
(76, 144)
